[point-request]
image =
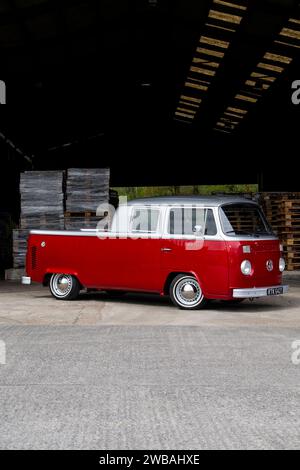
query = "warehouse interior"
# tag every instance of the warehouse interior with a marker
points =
(98, 96)
(162, 92)
(108, 77)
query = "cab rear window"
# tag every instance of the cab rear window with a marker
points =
(145, 220)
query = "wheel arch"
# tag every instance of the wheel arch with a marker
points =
(50, 272)
(171, 276)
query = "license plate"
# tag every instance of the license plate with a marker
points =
(275, 291)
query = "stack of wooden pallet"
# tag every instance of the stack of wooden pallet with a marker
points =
(42, 208)
(19, 248)
(283, 213)
(81, 220)
(87, 189)
(42, 200)
(6, 225)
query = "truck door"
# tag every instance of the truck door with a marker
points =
(191, 243)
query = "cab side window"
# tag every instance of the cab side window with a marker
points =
(145, 220)
(190, 221)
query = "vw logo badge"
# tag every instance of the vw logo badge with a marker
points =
(270, 265)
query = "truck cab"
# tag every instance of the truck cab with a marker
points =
(193, 249)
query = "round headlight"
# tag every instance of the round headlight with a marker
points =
(246, 268)
(281, 265)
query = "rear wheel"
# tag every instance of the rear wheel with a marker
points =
(64, 286)
(186, 293)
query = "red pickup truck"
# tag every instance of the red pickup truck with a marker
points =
(192, 249)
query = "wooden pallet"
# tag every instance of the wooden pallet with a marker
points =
(293, 256)
(293, 266)
(43, 222)
(292, 248)
(80, 214)
(287, 231)
(283, 213)
(290, 245)
(270, 197)
(81, 220)
(287, 219)
(282, 232)
(288, 215)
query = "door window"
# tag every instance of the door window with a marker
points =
(192, 221)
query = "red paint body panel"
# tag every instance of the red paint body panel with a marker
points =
(141, 265)
(208, 260)
(99, 263)
(261, 252)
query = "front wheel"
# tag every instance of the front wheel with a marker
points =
(186, 293)
(64, 286)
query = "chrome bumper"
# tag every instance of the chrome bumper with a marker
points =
(26, 281)
(259, 292)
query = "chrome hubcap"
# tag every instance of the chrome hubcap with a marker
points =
(61, 284)
(188, 292)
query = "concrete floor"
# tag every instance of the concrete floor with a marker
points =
(139, 374)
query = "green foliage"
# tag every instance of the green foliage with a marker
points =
(154, 191)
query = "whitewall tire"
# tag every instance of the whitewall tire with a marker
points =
(186, 293)
(64, 286)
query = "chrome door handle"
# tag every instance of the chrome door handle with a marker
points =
(166, 250)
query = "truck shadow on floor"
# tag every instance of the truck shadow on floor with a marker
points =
(142, 299)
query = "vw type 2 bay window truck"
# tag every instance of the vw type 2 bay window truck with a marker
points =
(192, 249)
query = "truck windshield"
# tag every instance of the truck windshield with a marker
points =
(244, 219)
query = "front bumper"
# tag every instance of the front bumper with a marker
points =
(26, 281)
(259, 292)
